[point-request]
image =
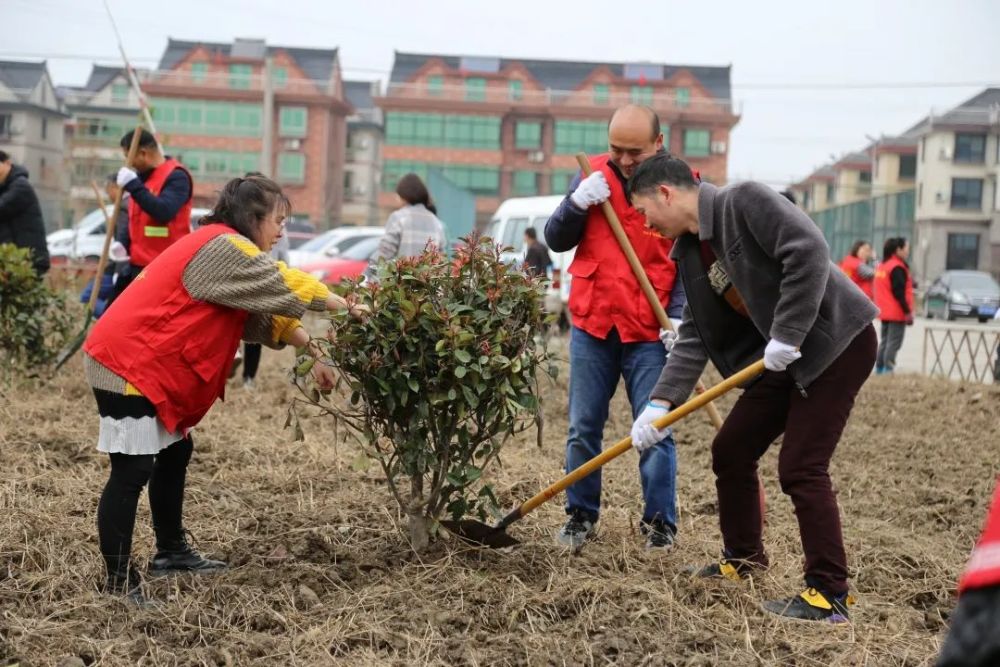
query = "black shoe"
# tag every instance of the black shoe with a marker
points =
(178, 556)
(658, 535)
(723, 569)
(813, 605)
(128, 588)
(576, 531)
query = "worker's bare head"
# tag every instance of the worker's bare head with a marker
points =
(147, 156)
(5, 165)
(633, 136)
(254, 206)
(665, 189)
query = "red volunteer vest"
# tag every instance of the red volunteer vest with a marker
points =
(889, 308)
(604, 292)
(175, 350)
(984, 565)
(148, 237)
(849, 265)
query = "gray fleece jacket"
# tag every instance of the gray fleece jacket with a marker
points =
(777, 259)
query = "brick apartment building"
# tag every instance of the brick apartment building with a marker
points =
(363, 166)
(504, 127)
(225, 109)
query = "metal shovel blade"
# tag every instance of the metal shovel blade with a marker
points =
(480, 534)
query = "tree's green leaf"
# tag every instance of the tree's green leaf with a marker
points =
(463, 356)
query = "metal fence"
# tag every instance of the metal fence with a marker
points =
(845, 224)
(972, 355)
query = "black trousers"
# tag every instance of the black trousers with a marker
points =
(165, 472)
(251, 360)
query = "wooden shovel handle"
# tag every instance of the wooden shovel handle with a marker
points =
(679, 412)
(640, 275)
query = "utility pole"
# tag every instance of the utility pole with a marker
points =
(871, 188)
(267, 139)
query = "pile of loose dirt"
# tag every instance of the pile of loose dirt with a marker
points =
(321, 571)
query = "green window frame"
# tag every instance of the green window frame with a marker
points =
(601, 94)
(293, 121)
(199, 70)
(239, 76)
(561, 178)
(516, 90)
(206, 165)
(573, 136)
(291, 167)
(435, 85)
(642, 95)
(442, 130)
(528, 135)
(697, 143)
(279, 77)
(208, 117)
(119, 93)
(475, 89)
(525, 184)
(480, 180)
(683, 97)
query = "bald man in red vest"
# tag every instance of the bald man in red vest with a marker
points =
(615, 332)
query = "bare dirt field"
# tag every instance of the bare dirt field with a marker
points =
(321, 574)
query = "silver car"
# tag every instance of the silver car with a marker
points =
(963, 294)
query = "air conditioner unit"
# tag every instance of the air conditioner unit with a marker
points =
(718, 147)
(536, 156)
(939, 197)
(945, 154)
(293, 144)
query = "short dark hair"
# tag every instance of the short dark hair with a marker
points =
(245, 202)
(892, 244)
(531, 233)
(146, 139)
(662, 168)
(858, 245)
(4, 156)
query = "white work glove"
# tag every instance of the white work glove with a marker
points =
(644, 435)
(670, 337)
(778, 355)
(125, 176)
(591, 191)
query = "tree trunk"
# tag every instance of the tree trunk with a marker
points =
(419, 527)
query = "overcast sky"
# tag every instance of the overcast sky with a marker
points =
(775, 49)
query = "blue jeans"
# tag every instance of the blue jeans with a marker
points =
(595, 366)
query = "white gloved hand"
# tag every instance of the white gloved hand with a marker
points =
(778, 355)
(670, 337)
(125, 176)
(644, 435)
(592, 190)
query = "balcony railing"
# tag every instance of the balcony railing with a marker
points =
(230, 81)
(661, 101)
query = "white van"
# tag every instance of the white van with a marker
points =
(507, 228)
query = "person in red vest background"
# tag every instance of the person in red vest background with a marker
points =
(159, 210)
(974, 640)
(615, 332)
(893, 287)
(160, 358)
(856, 265)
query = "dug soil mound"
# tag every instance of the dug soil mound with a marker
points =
(322, 575)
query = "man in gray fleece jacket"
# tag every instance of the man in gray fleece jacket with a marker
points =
(759, 282)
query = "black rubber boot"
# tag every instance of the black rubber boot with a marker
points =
(178, 556)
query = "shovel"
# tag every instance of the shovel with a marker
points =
(67, 352)
(495, 537)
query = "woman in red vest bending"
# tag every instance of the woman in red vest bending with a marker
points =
(893, 287)
(159, 358)
(855, 266)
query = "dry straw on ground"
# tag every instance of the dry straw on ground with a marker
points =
(321, 574)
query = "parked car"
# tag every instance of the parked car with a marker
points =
(85, 240)
(349, 264)
(331, 243)
(507, 228)
(963, 294)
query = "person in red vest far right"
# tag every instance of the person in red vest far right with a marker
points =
(856, 265)
(974, 640)
(159, 210)
(893, 287)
